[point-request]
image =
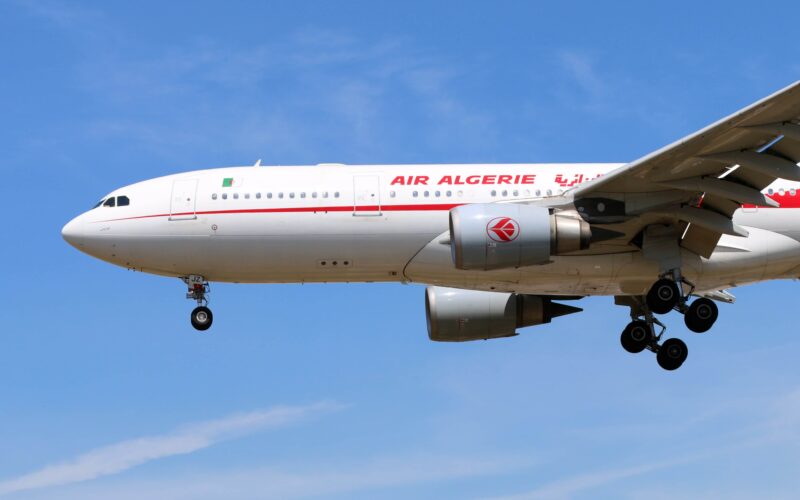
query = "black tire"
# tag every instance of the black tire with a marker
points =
(202, 318)
(663, 296)
(672, 354)
(636, 337)
(701, 315)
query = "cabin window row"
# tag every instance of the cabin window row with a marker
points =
(494, 193)
(279, 195)
(782, 191)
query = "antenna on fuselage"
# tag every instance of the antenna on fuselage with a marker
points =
(258, 163)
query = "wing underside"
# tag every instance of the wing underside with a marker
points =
(698, 182)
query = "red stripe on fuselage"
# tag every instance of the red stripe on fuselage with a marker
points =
(346, 208)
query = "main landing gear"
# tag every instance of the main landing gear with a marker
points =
(201, 316)
(646, 331)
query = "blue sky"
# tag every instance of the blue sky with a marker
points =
(334, 391)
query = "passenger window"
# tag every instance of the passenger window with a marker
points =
(336, 194)
(224, 196)
(109, 202)
(214, 196)
(247, 196)
(269, 195)
(235, 196)
(291, 195)
(123, 201)
(314, 194)
(258, 196)
(494, 193)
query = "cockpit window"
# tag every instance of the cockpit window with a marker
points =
(123, 201)
(109, 202)
(99, 203)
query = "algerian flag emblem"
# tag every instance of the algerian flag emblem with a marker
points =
(227, 182)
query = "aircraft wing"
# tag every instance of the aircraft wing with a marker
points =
(700, 180)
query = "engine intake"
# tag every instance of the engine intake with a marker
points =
(495, 236)
(456, 315)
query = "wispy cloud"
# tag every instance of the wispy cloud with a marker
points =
(115, 458)
(310, 480)
(582, 69)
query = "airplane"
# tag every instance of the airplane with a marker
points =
(500, 247)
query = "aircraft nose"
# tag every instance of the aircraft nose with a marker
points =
(72, 232)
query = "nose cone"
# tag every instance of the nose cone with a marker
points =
(73, 232)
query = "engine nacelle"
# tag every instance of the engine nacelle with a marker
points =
(456, 315)
(500, 235)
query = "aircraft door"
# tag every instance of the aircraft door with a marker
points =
(367, 195)
(183, 200)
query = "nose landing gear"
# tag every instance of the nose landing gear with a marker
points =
(201, 316)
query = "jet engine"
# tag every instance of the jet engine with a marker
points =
(486, 236)
(456, 315)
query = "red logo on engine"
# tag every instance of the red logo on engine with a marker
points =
(503, 229)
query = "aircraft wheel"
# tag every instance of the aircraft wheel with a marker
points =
(202, 318)
(672, 354)
(636, 337)
(663, 296)
(701, 315)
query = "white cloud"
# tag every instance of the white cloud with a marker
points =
(308, 480)
(115, 458)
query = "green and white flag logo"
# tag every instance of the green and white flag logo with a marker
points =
(227, 182)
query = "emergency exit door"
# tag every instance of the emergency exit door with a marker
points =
(183, 200)
(367, 195)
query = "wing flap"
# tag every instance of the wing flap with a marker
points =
(718, 168)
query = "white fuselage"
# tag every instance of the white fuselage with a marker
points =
(337, 223)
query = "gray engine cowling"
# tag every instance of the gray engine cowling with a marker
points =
(456, 315)
(500, 235)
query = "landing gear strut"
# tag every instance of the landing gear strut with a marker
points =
(201, 316)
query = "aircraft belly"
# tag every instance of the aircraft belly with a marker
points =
(322, 247)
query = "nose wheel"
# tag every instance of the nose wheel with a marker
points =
(201, 317)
